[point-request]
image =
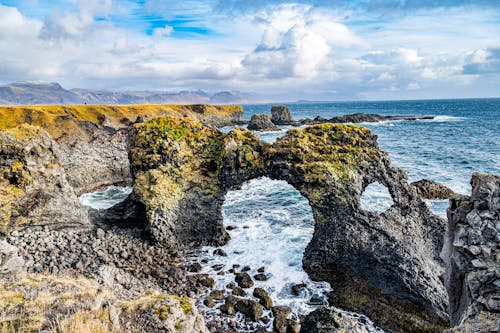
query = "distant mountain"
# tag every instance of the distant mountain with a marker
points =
(28, 93)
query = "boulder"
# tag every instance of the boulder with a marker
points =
(281, 115)
(244, 280)
(249, 308)
(472, 257)
(429, 189)
(331, 320)
(261, 122)
(280, 314)
(263, 297)
(11, 264)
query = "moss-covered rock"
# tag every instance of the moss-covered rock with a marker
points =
(182, 171)
(33, 186)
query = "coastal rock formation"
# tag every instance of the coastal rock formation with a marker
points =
(281, 115)
(331, 320)
(384, 265)
(33, 186)
(357, 118)
(261, 122)
(472, 257)
(182, 171)
(429, 189)
(93, 139)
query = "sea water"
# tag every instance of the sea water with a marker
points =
(273, 223)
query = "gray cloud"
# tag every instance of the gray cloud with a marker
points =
(489, 65)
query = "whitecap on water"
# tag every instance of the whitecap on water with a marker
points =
(106, 198)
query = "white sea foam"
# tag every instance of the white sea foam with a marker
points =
(105, 198)
(441, 119)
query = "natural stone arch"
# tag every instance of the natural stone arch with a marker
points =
(183, 170)
(372, 192)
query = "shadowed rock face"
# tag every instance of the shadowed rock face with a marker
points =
(33, 186)
(429, 189)
(281, 115)
(384, 265)
(261, 122)
(472, 257)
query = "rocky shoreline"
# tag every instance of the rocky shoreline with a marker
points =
(388, 266)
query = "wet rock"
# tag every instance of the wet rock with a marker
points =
(261, 269)
(261, 122)
(296, 288)
(429, 189)
(220, 252)
(263, 297)
(244, 280)
(205, 280)
(281, 115)
(230, 227)
(280, 314)
(249, 308)
(246, 269)
(209, 301)
(237, 291)
(218, 267)
(315, 301)
(217, 294)
(331, 320)
(194, 268)
(471, 254)
(260, 277)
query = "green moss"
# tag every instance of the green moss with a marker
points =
(184, 303)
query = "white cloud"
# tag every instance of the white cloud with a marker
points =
(160, 33)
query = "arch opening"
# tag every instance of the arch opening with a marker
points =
(376, 198)
(105, 198)
(270, 224)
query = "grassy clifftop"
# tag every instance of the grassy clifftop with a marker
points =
(59, 120)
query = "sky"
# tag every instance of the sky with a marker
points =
(266, 50)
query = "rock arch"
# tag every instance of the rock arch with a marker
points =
(182, 171)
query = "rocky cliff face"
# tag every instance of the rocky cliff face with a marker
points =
(34, 190)
(182, 171)
(472, 257)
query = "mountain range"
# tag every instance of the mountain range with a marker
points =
(29, 93)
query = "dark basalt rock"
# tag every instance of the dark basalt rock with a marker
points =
(130, 213)
(281, 115)
(244, 280)
(356, 118)
(263, 297)
(261, 122)
(472, 256)
(331, 320)
(429, 189)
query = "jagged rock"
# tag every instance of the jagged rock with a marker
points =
(263, 297)
(359, 118)
(182, 171)
(429, 189)
(331, 320)
(384, 265)
(261, 122)
(472, 257)
(11, 264)
(281, 115)
(33, 186)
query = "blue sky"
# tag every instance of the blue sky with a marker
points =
(268, 50)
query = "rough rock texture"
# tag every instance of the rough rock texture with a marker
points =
(472, 257)
(281, 115)
(331, 320)
(33, 186)
(429, 189)
(356, 118)
(93, 139)
(11, 264)
(261, 122)
(384, 265)
(182, 171)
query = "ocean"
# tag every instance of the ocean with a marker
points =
(274, 223)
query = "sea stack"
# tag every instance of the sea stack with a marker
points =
(281, 115)
(262, 122)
